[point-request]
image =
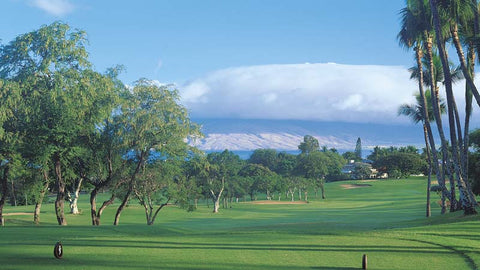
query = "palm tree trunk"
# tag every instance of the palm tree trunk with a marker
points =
(468, 111)
(476, 26)
(461, 58)
(429, 159)
(436, 111)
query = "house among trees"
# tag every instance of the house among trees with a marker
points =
(361, 170)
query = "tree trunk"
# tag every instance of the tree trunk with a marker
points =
(322, 188)
(429, 180)
(463, 64)
(152, 219)
(216, 205)
(60, 201)
(38, 204)
(4, 194)
(122, 205)
(438, 120)
(93, 207)
(74, 202)
(438, 171)
(104, 205)
(14, 197)
(216, 198)
(468, 111)
(130, 189)
(476, 27)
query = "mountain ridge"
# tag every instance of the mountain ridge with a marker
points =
(251, 134)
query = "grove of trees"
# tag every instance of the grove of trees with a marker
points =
(65, 127)
(427, 27)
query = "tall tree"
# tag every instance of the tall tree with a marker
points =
(219, 168)
(159, 184)
(417, 33)
(316, 166)
(309, 144)
(358, 149)
(152, 123)
(265, 157)
(467, 200)
(9, 136)
(60, 105)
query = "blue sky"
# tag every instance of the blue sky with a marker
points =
(245, 58)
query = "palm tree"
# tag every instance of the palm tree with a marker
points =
(414, 111)
(460, 16)
(466, 199)
(417, 32)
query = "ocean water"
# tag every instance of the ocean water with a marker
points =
(245, 154)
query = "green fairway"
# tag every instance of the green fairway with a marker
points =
(385, 221)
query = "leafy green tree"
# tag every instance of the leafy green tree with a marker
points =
(219, 168)
(9, 136)
(59, 104)
(266, 157)
(313, 166)
(261, 179)
(285, 163)
(362, 171)
(102, 163)
(358, 149)
(159, 184)
(153, 125)
(404, 163)
(350, 156)
(309, 144)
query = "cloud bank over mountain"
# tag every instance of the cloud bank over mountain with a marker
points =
(323, 92)
(319, 92)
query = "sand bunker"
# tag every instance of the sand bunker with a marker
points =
(350, 186)
(18, 214)
(278, 202)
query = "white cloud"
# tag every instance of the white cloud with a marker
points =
(327, 92)
(158, 66)
(54, 7)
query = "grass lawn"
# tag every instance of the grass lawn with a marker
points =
(385, 221)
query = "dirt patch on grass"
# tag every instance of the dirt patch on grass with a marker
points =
(278, 202)
(18, 214)
(350, 186)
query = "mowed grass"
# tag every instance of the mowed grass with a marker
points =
(385, 221)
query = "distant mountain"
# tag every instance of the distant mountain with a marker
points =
(244, 135)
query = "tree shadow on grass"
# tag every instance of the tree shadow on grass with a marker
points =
(471, 263)
(109, 262)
